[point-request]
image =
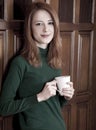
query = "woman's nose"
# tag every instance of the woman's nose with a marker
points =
(45, 28)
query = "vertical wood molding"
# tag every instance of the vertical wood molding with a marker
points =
(93, 11)
(47, 1)
(3, 53)
(10, 43)
(72, 54)
(8, 9)
(76, 11)
(55, 4)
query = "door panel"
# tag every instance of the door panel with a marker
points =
(84, 62)
(66, 41)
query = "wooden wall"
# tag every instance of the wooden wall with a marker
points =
(78, 31)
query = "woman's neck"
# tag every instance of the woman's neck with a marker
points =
(43, 46)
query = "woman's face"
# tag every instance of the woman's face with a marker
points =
(42, 28)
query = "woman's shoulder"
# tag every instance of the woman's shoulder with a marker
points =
(20, 61)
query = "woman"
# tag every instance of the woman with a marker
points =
(30, 89)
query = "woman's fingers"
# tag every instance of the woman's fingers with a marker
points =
(49, 90)
(68, 92)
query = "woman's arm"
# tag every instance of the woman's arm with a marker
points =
(8, 104)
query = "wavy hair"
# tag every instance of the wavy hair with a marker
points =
(30, 51)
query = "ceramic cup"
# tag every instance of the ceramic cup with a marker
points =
(62, 81)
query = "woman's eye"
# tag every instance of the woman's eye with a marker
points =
(38, 24)
(51, 23)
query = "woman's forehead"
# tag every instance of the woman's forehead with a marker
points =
(42, 14)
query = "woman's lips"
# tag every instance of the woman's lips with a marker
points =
(45, 36)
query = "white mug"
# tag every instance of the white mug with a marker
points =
(62, 82)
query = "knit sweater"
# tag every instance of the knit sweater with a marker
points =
(18, 95)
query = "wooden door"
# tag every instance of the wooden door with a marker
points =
(77, 23)
(78, 31)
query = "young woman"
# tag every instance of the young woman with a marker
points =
(30, 89)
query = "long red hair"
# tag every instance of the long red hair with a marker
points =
(30, 50)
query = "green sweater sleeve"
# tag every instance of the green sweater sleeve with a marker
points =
(8, 104)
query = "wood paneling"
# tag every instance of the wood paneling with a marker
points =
(67, 7)
(82, 116)
(2, 54)
(78, 32)
(66, 112)
(66, 41)
(55, 5)
(84, 61)
(18, 42)
(8, 10)
(1, 9)
(1, 124)
(85, 11)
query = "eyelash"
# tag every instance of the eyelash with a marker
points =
(49, 23)
(38, 24)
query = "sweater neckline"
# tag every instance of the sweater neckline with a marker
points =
(43, 51)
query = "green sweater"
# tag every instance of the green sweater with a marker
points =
(19, 92)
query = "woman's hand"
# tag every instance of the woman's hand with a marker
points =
(68, 92)
(48, 91)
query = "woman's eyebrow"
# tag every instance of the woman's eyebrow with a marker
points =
(35, 21)
(50, 20)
